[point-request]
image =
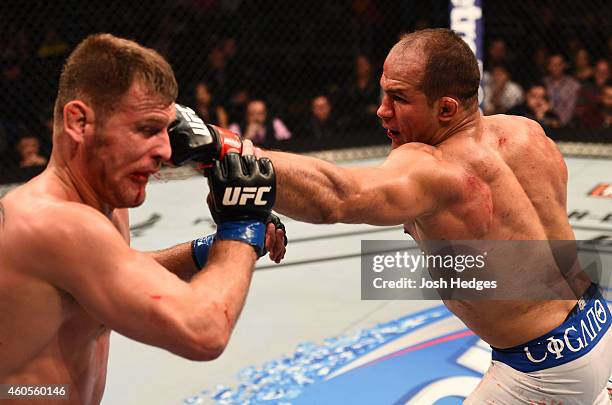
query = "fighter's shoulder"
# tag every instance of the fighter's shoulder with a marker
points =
(526, 132)
(415, 152)
(516, 125)
(427, 164)
(56, 222)
(531, 127)
(527, 141)
(425, 156)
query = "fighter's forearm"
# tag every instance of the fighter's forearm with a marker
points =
(225, 281)
(176, 259)
(309, 189)
(203, 318)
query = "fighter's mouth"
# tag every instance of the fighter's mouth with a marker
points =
(392, 134)
(140, 177)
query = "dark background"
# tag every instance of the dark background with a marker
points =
(286, 54)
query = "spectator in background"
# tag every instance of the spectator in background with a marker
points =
(573, 45)
(217, 75)
(259, 127)
(561, 88)
(499, 54)
(28, 148)
(50, 54)
(207, 108)
(537, 107)
(582, 65)
(601, 73)
(500, 92)
(368, 17)
(13, 96)
(230, 51)
(242, 76)
(321, 123)
(361, 96)
(44, 126)
(31, 162)
(539, 64)
(587, 114)
(598, 114)
(236, 109)
(606, 105)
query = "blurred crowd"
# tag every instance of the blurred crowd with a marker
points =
(280, 72)
(561, 89)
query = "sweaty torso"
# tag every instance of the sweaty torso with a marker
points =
(46, 337)
(513, 187)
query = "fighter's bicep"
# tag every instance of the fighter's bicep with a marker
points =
(118, 286)
(408, 198)
(388, 197)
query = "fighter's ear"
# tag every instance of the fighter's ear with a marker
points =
(447, 108)
(78, 116)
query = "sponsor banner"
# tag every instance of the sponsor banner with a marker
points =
(466, 20)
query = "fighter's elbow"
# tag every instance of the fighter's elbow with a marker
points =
(207, 348)
(208, 338)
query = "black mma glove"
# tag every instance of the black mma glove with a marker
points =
(243, 191)
(192, 139)
(275, 220)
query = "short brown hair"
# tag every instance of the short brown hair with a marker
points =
(102, 68)
(450, 67)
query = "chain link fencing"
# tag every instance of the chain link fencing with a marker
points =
(312, 66)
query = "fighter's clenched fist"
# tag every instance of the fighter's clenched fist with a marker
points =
(192, 139)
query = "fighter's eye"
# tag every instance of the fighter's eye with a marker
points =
(149, 131)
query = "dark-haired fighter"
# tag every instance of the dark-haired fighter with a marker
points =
(456, 175)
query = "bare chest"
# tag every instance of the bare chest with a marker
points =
(80, 331)
(46, 335)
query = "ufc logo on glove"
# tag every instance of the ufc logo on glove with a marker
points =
(241, 195)
(195, 122)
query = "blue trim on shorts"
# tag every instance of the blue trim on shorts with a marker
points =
(584, 327)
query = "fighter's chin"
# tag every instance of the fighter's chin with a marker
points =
(128, 201)
(136, 204)
(133, 195)
(139, 197)
(397, 139)
(396, 143)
